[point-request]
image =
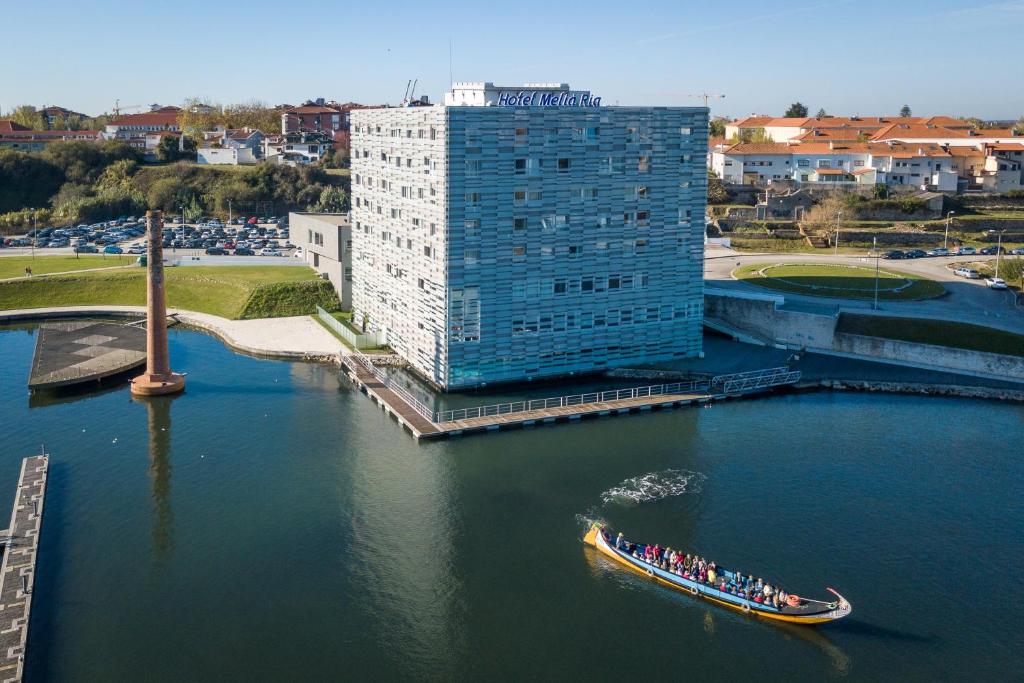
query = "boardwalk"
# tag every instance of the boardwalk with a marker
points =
(574, 412)
(425, 423)
(403, 407)
(17, 575)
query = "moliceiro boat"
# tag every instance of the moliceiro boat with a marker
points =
(795, 610)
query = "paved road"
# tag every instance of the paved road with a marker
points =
(967, 300)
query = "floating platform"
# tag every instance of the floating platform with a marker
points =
(77, 351)
(18, 571)
(425, 423)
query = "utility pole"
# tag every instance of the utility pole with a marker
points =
(839, 217)
(874, 248)
(229, 212)
(945, 241)
(35, 233)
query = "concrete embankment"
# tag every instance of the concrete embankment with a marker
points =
(762, 316)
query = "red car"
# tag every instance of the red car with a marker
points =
(252, 221)
(229, 245)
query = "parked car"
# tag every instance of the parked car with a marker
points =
(894, 254)
(87, 249)
(270, 251)
(992, 251)
(1019, 251)
(112, 249)
(969, 273)
(941, 251)
(995, 283)
(244, 251)
(137, 249)
(216, 251)
(966, 251)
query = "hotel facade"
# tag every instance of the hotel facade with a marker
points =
(511, 234)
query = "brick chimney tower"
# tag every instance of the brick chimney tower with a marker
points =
(158, 379)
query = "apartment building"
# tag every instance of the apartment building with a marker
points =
(511, 234)
(326, 243)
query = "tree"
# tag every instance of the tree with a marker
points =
(797, 110)
(1019, 128)
(332, 200)
(822, 114)
(26, 115)
(905, 111)
(823, 217)
(751, 135)
(167, 149)
(717, 193)
(716, 127)
(26, 180)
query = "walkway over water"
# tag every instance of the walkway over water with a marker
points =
(17, 574)
(426, 423)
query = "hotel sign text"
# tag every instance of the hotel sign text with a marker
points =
(536, 98)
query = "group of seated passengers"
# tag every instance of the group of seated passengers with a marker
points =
(696, 568)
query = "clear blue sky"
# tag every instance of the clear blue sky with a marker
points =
(848, 56)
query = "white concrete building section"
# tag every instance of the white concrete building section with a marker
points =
(528, 232)
(229, 156)
(326, 243)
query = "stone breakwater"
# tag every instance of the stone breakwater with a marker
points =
(923, 389)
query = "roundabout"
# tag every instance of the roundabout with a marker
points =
(839, 280)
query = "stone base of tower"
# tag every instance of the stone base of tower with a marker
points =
(158, 385)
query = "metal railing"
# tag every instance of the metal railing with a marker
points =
(354, 339)
(726, 384)
(755, 379)
(515, 407)
(403, 393)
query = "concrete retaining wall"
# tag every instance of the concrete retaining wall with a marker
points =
(761, 316)
(926, 355)
(925, 389)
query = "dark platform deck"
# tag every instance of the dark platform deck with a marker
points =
(76, 351)
(18, 571)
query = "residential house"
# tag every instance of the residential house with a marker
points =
(297, 148)
(58, 117)
(782, 129)
(16, 136)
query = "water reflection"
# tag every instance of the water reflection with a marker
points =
(158, 422)
(401, 526)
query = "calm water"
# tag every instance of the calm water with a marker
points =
(273, 524)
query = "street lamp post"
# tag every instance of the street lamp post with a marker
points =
(35, 233)
(945, 240)
(229, 212)
(999, 251)
(839, 218)
(874, 248)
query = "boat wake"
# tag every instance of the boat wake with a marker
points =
(654, 486)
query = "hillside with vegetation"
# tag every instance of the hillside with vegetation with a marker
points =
(82, 182)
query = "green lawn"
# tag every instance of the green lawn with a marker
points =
(845, 282)
(782, 246)
(938, 332)
(14, 266)
(234, 292)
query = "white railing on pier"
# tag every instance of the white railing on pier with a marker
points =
(403, 393)
(573, 400)
(726, 384)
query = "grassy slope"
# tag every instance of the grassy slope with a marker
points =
(938, 332)
(800, 279)
(14, 266)
(227, 291)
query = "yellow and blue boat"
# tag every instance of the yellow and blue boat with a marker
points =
(797, 611)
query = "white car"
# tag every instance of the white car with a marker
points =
(969, 273)
(137, 249)
(966, 251)
(269, 252)
(995, 283)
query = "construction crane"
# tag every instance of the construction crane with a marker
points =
(707, 96)
(410, 91)
(118, 108)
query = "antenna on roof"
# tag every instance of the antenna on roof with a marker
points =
(451, 72)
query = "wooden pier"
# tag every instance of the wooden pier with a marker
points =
(17, 573)
(425, 423)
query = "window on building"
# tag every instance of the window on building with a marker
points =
(472, 167)
(471, 256)
(518, 253)
(472, 226)
(575, 250)
(643, 164)
(563, 164)
(520, 166)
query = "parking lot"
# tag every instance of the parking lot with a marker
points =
(247, 236)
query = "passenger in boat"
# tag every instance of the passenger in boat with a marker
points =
(759, 586)
(620, 541)
(711, 575)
